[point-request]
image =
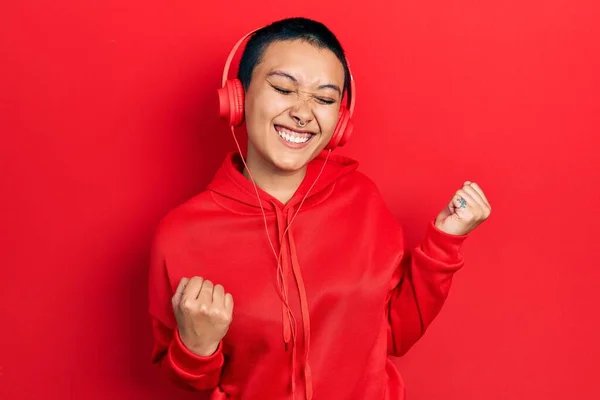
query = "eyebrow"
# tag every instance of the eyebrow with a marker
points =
(293, 79)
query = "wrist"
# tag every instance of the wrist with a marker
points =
(443, 246)
(200, 350)
(205, 351)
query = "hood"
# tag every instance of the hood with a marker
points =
(239, 195)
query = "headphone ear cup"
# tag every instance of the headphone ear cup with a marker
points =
(231, 102)
(343, 130)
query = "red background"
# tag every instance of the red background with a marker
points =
(109, 120)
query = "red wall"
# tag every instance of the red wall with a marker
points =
(109, 119)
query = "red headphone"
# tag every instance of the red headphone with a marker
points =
(231, 103)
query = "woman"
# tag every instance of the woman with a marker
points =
(323, 291)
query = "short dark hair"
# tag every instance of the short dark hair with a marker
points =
(296, 28)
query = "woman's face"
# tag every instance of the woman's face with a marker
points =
(292, 104)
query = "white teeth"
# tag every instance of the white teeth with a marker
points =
(293, 137)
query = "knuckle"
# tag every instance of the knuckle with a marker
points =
(187, 305)
(219, 315)
(224, 317)
(203, 309)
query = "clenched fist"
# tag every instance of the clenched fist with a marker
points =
(203, 312)
(467, 209)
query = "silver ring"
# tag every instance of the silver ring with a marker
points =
(463, 202)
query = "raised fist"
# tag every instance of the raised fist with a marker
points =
(203, 312)
(467, 209)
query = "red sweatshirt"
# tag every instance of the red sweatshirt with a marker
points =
(356, 297)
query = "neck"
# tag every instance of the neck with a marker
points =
(280, 184)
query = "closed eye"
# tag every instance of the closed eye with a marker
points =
(325, 101)
(321, 100)
(282, 91)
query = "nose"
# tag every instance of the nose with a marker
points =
(301, 113)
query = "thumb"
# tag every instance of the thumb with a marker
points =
(179, 292)
(445, 213)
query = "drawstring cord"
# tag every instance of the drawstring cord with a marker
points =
(305, 315)
(289, 321)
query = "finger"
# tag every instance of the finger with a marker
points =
(192, 288)
(219, 296)
(475, 196)
(457, 201)
(229, 303)
(179, 291)
(454, 203)
(480, 191)
(206, 294)
(462, 200)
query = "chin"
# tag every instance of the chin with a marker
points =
(290, 162)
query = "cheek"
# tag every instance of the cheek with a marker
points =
(327, 119)
(262, 108)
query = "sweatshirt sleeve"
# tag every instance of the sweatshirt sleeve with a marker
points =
(181, 367)
(423, 282)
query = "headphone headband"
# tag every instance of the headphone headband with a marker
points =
(351, 90)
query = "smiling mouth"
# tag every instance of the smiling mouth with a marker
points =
(293, 137)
